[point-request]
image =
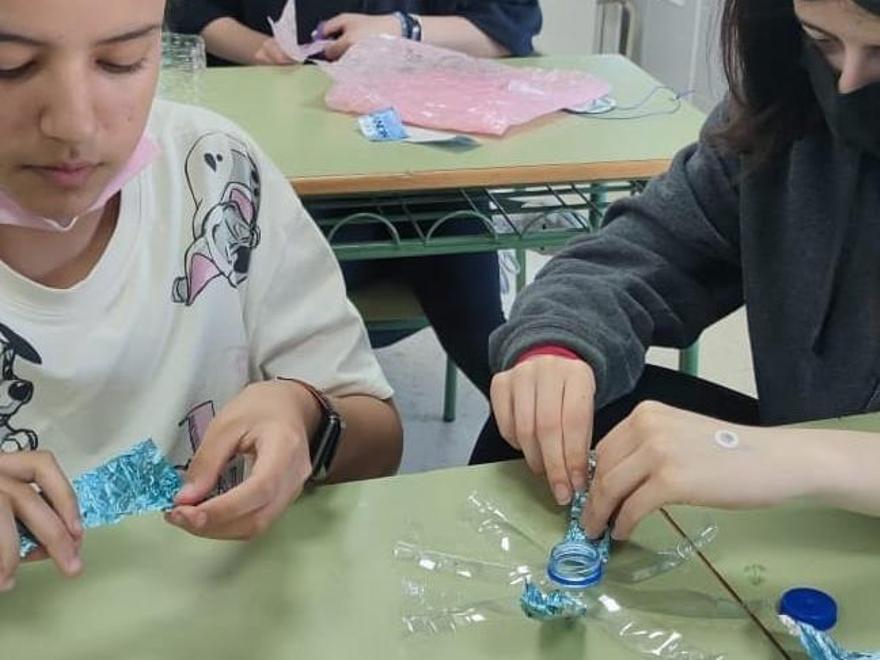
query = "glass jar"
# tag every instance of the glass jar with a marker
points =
(184, 60)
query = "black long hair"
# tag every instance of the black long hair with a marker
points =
(772, 103)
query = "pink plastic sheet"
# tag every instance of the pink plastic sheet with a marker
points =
(443, 89)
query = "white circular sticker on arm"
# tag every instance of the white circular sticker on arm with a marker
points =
(726, 439)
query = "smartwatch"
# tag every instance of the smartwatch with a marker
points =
(410, 25)
(325, 442)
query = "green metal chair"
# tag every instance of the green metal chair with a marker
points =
(387, 306)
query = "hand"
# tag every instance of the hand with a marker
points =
(270, 422)
(348, 29)
(270, 53)
(661, 455)
(544, 407)
(52, 518)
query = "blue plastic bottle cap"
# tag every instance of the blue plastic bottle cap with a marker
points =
(810, 606)
(575, 565)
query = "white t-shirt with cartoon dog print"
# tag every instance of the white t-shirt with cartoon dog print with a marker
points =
(215, 277)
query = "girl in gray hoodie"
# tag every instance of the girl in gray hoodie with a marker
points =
(777, 207)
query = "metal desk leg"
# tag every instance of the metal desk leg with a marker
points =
(450, 394)
(598, 201)
(521, 273)
(689, 359)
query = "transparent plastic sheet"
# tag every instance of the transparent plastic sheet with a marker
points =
(820, 645)
(138, 481)
(521, 573)
(435, 611)
(665, 560)
(444, 89)
(463, 567)
(513, 538)
(641, 635)
(645, 637)
(488, 519)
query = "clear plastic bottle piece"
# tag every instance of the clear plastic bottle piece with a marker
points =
(576, 581)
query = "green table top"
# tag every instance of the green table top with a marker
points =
(323, 153)
(762, 554)
(323, 584)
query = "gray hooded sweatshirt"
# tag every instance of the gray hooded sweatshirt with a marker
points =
(797, 241)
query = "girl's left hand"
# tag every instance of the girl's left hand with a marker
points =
(348, 29)
(661, 455)
(271, 422)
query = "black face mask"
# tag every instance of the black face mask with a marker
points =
(853, 118)
(871, 5)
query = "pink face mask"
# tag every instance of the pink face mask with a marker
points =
(11, 213)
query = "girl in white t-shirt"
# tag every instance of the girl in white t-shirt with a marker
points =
(159, 279)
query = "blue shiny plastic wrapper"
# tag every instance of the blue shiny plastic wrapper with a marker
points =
(578, 562)
(551, 605)
(576, 533)
(821, 646)
(138, 481)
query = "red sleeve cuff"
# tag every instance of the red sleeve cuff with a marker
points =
(548, 349)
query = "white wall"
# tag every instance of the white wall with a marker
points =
(678, 44)
(569, 27)
(709, 81)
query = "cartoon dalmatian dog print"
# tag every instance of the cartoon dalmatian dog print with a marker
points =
(224, 182)
(15, 392)
(195, 426)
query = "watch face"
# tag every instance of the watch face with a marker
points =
(328, 441)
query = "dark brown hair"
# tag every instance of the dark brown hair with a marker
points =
(771, 100)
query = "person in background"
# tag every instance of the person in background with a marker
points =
(237, 31)
(460, 294)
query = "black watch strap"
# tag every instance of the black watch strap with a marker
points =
(325, 442)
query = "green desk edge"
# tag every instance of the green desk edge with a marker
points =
(321, 151)
(323, 584)
(761, 554)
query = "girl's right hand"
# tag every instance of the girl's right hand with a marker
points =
(50, 513)
(544, 407)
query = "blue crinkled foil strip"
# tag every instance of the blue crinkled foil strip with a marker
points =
(821, 646)
(576, 532)
(551, 605)
(138, 481)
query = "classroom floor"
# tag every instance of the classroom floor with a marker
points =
(416, 368)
